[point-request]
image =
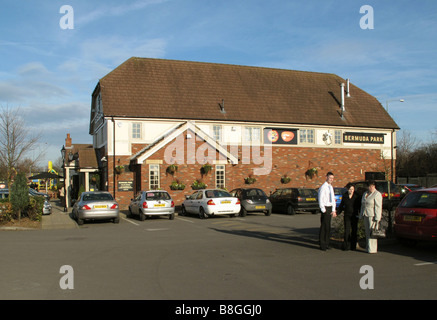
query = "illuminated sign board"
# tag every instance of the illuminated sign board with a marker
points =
(363, 137)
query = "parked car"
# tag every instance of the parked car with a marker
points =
(416, 216)
(390, 200)
(4, 193)
(339, 192)
(95, 205)
(152, 203)
(46, 209)
(33, 192)
(407, 187)
(210, 202)
(252, 200)
(291, 200)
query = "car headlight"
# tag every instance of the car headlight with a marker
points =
(249, 201)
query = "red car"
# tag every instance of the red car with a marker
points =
(416, 216)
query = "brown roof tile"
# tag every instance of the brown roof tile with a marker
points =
(157, 88)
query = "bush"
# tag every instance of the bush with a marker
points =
(34, 209)
(6, 211)
(338, 226)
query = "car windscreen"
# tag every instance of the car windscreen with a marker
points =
(255, 193)
(97, 197)
(157, 196)
(427, 200)
(217, 194)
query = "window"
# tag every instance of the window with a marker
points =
(136, 130)
(306, 135)
(220, 176)
(252, 134)
(153, 176)
(217, 132)
(337, 137)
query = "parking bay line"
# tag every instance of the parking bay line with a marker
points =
(425, 263)
(131, 221)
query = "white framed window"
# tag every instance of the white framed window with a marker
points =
(306, 135)
(217, 132)
(220, 176)
(337, 137)
(154, 176)
(136, 130)
(252, 134)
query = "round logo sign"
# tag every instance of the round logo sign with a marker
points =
(273, 136)
(287, 136)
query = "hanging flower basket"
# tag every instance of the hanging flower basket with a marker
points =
(119, 169)
(176, 185)
(205, 169)
(249, 180)
(285, 179)
(310, 173)
(198, 184)
(171, 169)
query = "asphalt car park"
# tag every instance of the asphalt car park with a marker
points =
(242, 258)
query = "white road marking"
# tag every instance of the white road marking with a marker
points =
(130, 221)
(185, 220)
(425, 263)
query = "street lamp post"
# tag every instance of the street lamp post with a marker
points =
(392, 140)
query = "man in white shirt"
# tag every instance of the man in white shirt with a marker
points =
(327, 207)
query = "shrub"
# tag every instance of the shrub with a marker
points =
(6, 211)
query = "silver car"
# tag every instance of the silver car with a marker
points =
(96, 205)
(47, 207)
(152, 203)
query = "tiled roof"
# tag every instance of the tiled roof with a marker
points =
(157, 88)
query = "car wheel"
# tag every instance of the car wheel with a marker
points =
(80, 221)
(142, 216)
(202, 214)
(243, 212)
(129, 214)
(268, 212)
(183, 211)
(290, 210)
(116, 220)
(171, 217)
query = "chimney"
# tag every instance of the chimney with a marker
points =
(347, 88)
(68, 142)
(342, 99)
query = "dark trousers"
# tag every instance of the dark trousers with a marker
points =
(325, 228)
(350, 232)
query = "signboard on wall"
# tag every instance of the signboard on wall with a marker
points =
(280, 136)
(125, 186)
(363, 137)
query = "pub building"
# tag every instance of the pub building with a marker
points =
(180, 125)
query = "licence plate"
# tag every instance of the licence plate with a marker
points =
(260, 207)
(100, 206)
(311, 199)
(413, 218)
(159, 205)
(225, 202)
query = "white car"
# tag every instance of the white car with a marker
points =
(210, 202)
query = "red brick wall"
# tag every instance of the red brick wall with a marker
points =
(346, 164)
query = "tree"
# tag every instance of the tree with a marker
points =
(19, 195)
(16, 141)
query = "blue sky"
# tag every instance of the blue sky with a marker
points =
(50, 72)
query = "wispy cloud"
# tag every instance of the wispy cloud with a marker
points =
(111, 11)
